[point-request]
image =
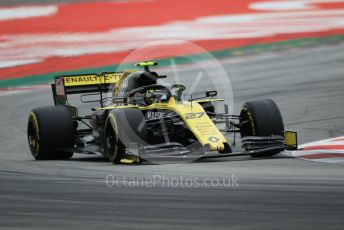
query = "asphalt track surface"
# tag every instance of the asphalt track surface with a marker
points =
(273, 193)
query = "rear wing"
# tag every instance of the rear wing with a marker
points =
(83, 83)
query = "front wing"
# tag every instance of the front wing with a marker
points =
(175, 152)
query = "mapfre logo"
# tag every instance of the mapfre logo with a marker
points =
(154, 115)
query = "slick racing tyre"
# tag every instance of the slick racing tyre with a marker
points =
(261, 118)
(123, 128)
(50, 133)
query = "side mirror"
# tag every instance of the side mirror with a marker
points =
(212, 93)
(177, 91)
(180, 87)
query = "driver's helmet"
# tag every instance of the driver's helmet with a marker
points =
(156, 95)
(149, 96)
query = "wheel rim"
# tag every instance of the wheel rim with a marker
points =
(111, 145)
(246, 121)
(33, 136)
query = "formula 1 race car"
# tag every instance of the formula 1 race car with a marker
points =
(142, 120)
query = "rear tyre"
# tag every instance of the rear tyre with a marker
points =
(123, 128)
(50, 133)
(261, 118)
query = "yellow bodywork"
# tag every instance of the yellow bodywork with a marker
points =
(194, 117)
(146, 63)
(290, 139)
(92, 79)
(95, 79)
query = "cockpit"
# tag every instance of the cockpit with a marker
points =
(142, 88)
(147, 95)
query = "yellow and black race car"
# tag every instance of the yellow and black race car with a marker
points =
(142, 120)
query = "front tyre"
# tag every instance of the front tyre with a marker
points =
(124, 127)
(261, 118)
(50, 133)
(113, 146)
